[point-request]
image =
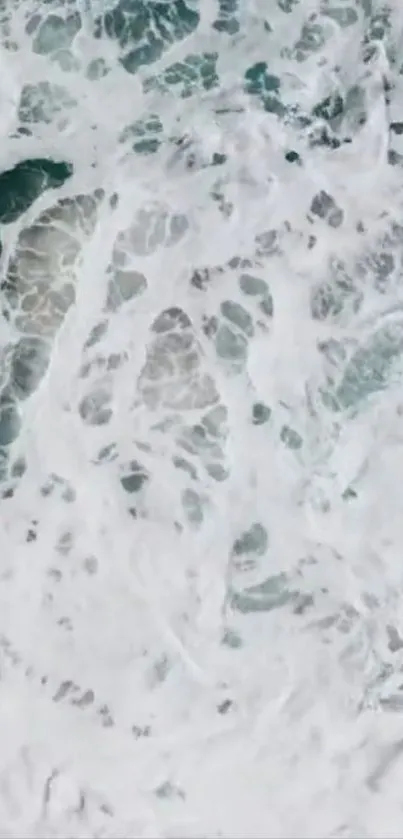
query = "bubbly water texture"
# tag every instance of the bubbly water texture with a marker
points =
(201, 409)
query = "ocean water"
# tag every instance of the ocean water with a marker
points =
(201, 418)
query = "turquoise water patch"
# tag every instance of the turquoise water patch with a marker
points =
(134, 477)
(145, 134)
(258, 81)
(227, 19)
(370, 368)
(54, 32)
(42, 102)
(144, 31)
(29, 364)
(196, 73)
(10, 419)
(25, 182)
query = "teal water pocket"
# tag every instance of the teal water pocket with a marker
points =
(25, 182)
(145, 30)
(370, 369)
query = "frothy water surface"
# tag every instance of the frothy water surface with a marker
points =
(201, 358)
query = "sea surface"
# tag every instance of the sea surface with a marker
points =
(201, 419)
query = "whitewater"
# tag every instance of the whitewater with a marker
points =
(201, 408)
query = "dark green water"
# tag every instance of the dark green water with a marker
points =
(25, 182)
